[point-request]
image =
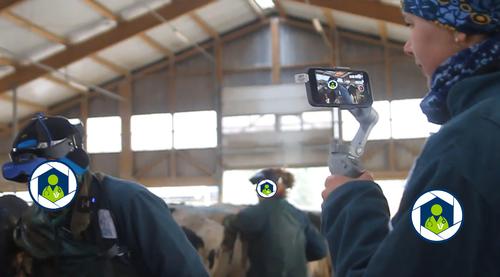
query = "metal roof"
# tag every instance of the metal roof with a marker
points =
(38, 29)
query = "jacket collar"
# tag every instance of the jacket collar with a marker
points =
(472, 90)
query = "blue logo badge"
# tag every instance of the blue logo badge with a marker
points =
(53, 185)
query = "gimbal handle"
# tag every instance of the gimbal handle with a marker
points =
(344, 158)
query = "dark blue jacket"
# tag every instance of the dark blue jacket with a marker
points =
(463, 159)
(146, 227)
(281, 239)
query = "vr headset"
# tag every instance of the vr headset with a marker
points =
(28, 154)
(265, 174)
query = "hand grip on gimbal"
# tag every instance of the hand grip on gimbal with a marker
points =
(345, 165)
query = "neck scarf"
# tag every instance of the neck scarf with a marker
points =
(467, 16)
(466, 63)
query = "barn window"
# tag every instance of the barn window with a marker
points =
(317, 120)
(237, 189)
(408, 121)
(104, 134)
(195, 130)
(393, 192)
(151, 132)
(290, 123)
(248, 123)
(189, 195)
(382, 130)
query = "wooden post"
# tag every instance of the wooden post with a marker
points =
(388, 89)
(126, 156)
(219, 79)
(84, 113)
(172, 161)
(276, 51)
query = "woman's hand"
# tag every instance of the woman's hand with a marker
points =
(332, 182)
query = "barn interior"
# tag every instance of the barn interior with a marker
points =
(191, 98)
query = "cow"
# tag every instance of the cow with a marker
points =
(13, 261)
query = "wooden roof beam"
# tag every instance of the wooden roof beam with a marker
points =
(367, 8)
(25, 23)
(66, 84)
(29, 104)
(382, 27)
(204, 25)
(9, 4)
(57, 39)
(4, 61)
(108, 14)
(102, 10)
(123, 31)
(329, 18)
(105, 12)
(156, 45)
(106, 63)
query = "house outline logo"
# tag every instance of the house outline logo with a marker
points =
(437, 215)
(53, 185)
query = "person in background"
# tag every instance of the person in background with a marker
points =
(456, 44)
(281, 239)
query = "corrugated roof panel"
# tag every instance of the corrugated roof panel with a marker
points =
(164, 35)
(6, 70)
(60, 17)
(6, 111)
(91, 30)
(131, 53)
(89, 71)
(188, 27)
(343, 20)
(45, 51)
(117, 5)
(357, 23)
(19, 40)
(303, 11)
(226, 15)
(141, 7)
(44, 92)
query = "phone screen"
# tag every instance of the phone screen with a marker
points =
(340, 88)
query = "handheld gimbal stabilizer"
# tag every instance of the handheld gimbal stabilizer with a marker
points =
(345, 89)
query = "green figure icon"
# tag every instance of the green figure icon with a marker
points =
(53, 192)
(332, 84)
(266, 190)
(436, 225)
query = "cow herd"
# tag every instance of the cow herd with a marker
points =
(203, 227)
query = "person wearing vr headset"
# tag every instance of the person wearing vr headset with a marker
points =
(139, 237)
(457, 46)
(281, 238)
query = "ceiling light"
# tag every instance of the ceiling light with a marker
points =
(265, 4)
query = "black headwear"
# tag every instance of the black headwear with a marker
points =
(44, 138)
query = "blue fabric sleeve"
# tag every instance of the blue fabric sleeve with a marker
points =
(315, 243)
(354, 220)
(147, 228)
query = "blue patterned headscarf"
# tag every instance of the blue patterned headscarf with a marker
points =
(467, 16)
